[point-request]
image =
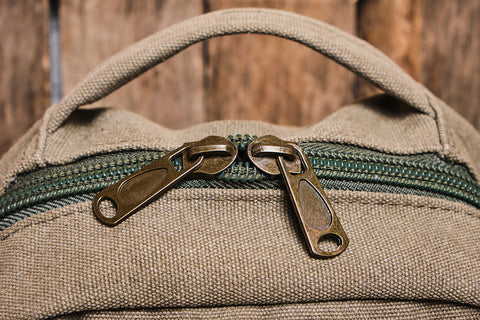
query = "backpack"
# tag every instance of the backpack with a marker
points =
(371, 213)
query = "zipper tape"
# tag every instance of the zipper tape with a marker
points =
(339, 167)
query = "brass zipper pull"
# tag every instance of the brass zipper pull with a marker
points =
(317, 218)
(205, 157)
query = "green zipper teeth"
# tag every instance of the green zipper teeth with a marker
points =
(330, 161)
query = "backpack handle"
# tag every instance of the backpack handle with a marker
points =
(346, 49)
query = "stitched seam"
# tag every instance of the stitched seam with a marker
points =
(366, 202)
(440, 124)
(419, 302)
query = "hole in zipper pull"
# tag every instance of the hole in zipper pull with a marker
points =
(107, 208)
(329, 243)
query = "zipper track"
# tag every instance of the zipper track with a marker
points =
(341, 163)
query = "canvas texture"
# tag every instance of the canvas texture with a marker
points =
(224, 254)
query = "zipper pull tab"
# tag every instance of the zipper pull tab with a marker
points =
(317, 218)
(205, 158)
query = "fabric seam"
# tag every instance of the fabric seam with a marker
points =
(419, 302)
(349, 201)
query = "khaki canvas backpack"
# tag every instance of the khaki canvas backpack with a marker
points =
(371, 213)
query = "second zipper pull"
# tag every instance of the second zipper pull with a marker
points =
(315, 213)
(205, 157)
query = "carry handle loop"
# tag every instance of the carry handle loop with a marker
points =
(347, 50)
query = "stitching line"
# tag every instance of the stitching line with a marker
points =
(349, 201)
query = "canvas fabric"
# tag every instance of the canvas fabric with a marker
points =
(209, 247)
(334, 310)
(211, 253)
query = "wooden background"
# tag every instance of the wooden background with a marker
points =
(237, 77)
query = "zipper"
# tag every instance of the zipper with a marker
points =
(317, 218)
(211, 155)
(337, 166)
(203, 158)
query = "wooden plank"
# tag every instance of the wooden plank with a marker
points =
(394, 27)
(92, 31)
(437, 42)
(264, 78)
(450, 54)
(24, 80)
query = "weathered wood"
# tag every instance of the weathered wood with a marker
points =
(246, 77)
(92, 31)
(437, 42)
(394, 27)
(24, 65)
(450, 55)
(264, 78)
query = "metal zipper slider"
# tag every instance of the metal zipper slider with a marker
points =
(317, 218)
(205, 158)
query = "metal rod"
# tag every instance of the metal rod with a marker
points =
(55, 53)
